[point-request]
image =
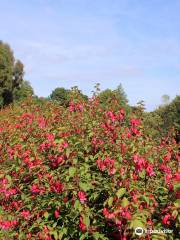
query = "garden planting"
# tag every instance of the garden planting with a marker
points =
(86, 171)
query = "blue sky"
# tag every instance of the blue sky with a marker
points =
(84, 42)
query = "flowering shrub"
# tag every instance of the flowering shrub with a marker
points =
(84, 173)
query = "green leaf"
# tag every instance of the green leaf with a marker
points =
(85, 186)
(86, 220)
(146, 199)
(142, 174)
(8, 178)
(46, 215)
(67, 152)
(72, 171)
(77, 205)
(84, 236)
(177, 186)
(124, 202)
(99, 236)
(136, 223)
(75, 161)
(121, 192)
(55, 234)
(110, 201)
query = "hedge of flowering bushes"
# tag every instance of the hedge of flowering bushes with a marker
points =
(84, 172)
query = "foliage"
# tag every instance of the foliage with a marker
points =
(63, 96)
(11, 74)
(170, 114)
(118, 94)
(121, 95)
(24, 91)
(60, 95)
(164, 119)
(83, 172)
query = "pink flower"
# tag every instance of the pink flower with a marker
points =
(107, 214)
(59, 160)
(165, 219)
(135, 122)
(139, 162)
(57, 187)
(127, 215)
(82, 196)
(56, 213)
(168, 178)
(150, 171)
(165, 168)
(48, 238)
(65, 144)
(82, 226)
(5, 225)
(135, 130)
(50, 137)
(25, 213)
(101, 164)
(111, 115)
(36, 189)
(167, 157)
(177, 177)
(41, 122)
(80, 107)
(112, 171)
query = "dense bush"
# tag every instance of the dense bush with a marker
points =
(165, 118)
(84, 172)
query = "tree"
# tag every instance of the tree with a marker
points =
(11, 74)
(117, 95)
(24, 91)
(170, 114)
(121, 95)
(164, 119)
(106, 95)
(61, 95)
(64, 96)
(139, 109)
(165, 99)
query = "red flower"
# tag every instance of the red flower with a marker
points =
(41, 122)
(50, 137)
(107, 214)
(82, 196)
(127, 215)
(56, 213)
(165, 219)
(57, 187)
(150, 171)
(65, 200)
(168, 178)
(5, 225)
(139, 162)
(112, 171)
(36, 189)
(82, 226)
(25, 213)
(135, 122)
(111, 115)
